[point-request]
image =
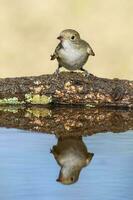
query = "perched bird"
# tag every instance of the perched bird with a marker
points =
(72, 52)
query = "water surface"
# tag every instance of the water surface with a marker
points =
(28, 171)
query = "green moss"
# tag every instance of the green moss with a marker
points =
(12, 109)
(38, 99)
(33, 99)
(10, 101)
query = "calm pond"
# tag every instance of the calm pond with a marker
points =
(35, 166)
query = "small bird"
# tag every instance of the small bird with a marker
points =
(72, 52)
(72, 155)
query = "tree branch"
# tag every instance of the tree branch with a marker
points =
(67, 88)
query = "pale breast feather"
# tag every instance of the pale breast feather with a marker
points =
(70, 54)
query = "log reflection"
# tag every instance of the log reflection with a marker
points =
(66, 121)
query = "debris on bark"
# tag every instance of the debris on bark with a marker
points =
(68, 88)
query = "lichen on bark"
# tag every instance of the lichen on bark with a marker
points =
(68, 88)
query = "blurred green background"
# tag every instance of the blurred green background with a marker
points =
(29, 28)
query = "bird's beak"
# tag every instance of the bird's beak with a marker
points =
(58, 180)
(59, 38)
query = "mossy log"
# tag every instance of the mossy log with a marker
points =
(66, 121)
(67, 88)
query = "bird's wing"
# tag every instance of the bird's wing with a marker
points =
(55, 54)
(59, 46)
(91, 52)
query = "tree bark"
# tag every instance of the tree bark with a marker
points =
(67, 88)
(66, 121)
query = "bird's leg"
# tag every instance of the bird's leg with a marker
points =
(86, 72)
(57, 70)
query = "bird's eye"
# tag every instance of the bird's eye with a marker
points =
(72, 179)
(73, 37)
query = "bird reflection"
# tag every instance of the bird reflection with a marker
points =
(72, 155)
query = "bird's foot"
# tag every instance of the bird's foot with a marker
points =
(86, 73)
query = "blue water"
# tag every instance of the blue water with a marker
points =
(28, 171)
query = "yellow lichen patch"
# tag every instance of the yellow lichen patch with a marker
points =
(41, 99)
(39, 112)
(38, 99)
